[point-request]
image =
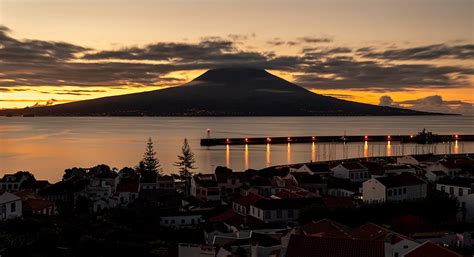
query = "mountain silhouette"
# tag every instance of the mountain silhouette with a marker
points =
(219, 92)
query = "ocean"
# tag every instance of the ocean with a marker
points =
(46, 146)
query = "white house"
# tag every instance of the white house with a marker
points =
(205, 187)
(435, 175)
(195, 250)
(449, 168)
(184, 219)
(394, 188)
(455, 186)
(127, 192)
(396, 245)
(312, 168)
(13, 182)
(461, 188)
(10, 206)
(399, 169)
(423, 160)
(354, 171)
(281, 210)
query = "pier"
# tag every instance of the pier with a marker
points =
(420, 138)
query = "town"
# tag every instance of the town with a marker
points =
(402, 206)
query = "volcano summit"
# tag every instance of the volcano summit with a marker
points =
(219, 92)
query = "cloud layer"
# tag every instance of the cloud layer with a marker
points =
(434, 103)
(319, 65)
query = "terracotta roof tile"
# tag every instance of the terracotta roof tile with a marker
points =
(327, 228)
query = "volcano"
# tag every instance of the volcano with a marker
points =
(219, 92)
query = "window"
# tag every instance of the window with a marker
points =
(172, 221)
(279, 214)
(183, 221)
(389, 192)
(451, 190)
(469, 191)
(233, 181)
(400, 191)
(268, 214)
(13, 207)
(460, 192)
(404, 190)
(442, 188)
(166, 221)
(290, 214)
(394, 192)
(352, 175)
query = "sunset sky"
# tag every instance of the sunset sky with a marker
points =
(408, 53)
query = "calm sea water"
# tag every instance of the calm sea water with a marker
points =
(48, 145)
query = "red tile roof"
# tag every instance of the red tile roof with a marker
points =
(429, 249)
(308, 246)
(227, 215)
(283, 194)
(327, 228)
(404, 179)
(249, 199)
(33, 202)
(371, 231)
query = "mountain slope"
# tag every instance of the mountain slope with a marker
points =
(227, 92)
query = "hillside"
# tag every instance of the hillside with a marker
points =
(219, 92)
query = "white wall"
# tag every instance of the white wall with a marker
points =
(373, 191)
(10, 206)
(180, 220)
(456, 189)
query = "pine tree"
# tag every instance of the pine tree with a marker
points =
(186, 160)
(150, 164)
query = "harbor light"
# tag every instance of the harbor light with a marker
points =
(388, 137)
(314, 138)
(366, 137)
(246, 140)
(456, 136)
(269, 139)
(227, 140)
(289, 139)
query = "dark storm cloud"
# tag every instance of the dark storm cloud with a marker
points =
(429, 52)
(45, 63)
(346, 73)
(12, 50)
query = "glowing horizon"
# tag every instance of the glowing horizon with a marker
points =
(402, 54)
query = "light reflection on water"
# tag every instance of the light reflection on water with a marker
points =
(47, 146)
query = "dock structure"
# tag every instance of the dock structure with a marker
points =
(417, 139)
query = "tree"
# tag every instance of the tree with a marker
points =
(150, 164)
(186, 160)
